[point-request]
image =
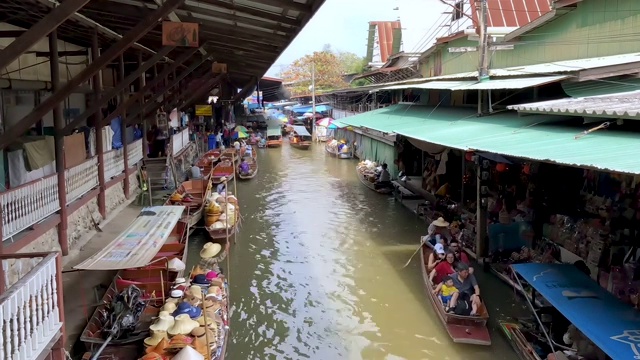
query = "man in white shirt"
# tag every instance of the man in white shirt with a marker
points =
(195, 172)
(236, 145)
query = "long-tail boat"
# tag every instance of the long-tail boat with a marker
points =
(192, 195)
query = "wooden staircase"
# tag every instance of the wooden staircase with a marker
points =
(160, 175)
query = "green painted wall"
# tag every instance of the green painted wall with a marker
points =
(595, 28)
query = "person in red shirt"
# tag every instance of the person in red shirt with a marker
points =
(444, 268)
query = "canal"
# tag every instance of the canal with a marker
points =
(317, 271)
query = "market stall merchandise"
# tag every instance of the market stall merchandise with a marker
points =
(339, 149)
(222, 216)
(368, 175)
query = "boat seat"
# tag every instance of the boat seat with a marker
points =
(401, 191)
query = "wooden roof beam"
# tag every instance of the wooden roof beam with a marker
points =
(96, 65)
(242, 9)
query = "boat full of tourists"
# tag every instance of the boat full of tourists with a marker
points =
(299, 137)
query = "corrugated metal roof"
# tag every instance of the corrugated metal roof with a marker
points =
(139, 243)
(274, 131)
(600, 87)
(537, 137)
(553, 67)
(517, 83)
(511, 13)
(622, 105)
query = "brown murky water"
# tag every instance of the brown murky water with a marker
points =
(316, 272)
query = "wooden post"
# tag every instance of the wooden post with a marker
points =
(143, 122)
(123, 131)
(97, 92)
(58, 124)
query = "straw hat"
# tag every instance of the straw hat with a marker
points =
(198, 270)
(195, 291)
(178, 342)
(200, 335)
(210, 250)
(211, 322)
(164, 321)
(223, 179)
(175, 296)
(155, 338)
(440, 222)
(211, 304)
(188, 353)
(169, 307)
(176, 264)
(159, 348)
(215, 290)
(183, 325)
(180, 281)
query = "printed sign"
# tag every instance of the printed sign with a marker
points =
(180, 34)
(204, 110)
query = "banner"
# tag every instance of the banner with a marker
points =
(180, 34)
(204, 110)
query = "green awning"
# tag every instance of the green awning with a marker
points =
(537, 137)
(274, 132)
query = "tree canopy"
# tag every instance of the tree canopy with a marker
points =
(328, 73)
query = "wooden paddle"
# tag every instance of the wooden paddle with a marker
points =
(414, 254)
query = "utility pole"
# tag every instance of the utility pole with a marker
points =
(482, 169)
(313, 98)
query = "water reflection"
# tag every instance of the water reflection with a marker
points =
(316, 272)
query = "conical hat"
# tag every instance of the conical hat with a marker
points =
(188, 353)
(210, 250)
(176, 264)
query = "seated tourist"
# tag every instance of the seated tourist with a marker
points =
(436, 256)
(222, 187)
(444, 268)
(245, 169)
(445, 290)
(384, 178)
(461, 256)
(195, 172)
(468, 291)
(248, 151)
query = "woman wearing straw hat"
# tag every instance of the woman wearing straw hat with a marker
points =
(438, 232)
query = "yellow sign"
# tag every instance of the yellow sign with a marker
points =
(204, 110)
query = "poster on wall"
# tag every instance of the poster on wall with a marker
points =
(180, 34)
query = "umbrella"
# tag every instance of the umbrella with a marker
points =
(239, 135)
(324, 122)
(307, 114)
(332, 126)
(240, 128)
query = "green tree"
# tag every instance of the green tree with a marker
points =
(351, 63)
(328, 73)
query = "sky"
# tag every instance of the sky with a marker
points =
(345, 23)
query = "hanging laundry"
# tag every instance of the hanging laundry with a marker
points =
(40, 153)
(116, 126)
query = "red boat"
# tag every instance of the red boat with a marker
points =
(462, 329)
(225, 168)
(207, 161)
(154, 281)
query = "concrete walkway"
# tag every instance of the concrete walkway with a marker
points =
(83, 290)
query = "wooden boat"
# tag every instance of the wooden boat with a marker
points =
(461, 329)
(364, 179)
(207, 161)
(253, 166)
(198, 190)
(154, 281)
(274, 137)
(519, 341)
(299, 138)
(223, 169)
(230, 155)
(336, 153)
(219, 234)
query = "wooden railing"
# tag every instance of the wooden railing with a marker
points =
(28, 204)
(113, 163)
(179, 141)
(81, 179)
(31, 309)
(134, 152)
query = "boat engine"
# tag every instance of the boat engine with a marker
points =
(123, 314)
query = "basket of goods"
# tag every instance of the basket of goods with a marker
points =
(212, 213)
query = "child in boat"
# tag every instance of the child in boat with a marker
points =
(446, 291)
